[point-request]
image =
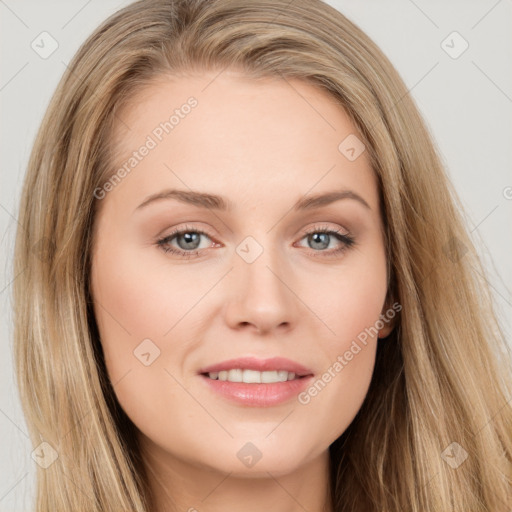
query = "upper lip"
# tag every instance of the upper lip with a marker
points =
(261, 365)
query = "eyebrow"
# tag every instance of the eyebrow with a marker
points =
(215, 202)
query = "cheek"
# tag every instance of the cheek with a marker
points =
(351, 311)
(146, 313)
(140, 310)
(334, 397)
(136, 301)
(131, 318)
(352, 299)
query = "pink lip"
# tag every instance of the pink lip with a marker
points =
(261, 365)
(258, 395)
(254, 394)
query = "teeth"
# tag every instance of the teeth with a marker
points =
(252, 376)
(249, 376)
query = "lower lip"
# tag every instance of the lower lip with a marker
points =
(258, 395)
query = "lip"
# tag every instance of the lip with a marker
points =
(254, 394)
(258, 395)
(261, 365)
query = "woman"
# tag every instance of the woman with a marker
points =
(332, 348)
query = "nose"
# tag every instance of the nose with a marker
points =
(261, 296)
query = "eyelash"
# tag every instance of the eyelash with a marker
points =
(347, 242)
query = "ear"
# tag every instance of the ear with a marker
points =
(389, 316)
(385, 331)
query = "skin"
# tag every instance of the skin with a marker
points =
(262, 145)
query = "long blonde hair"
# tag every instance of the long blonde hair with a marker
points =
(441, 377)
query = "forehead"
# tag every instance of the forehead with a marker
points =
(264, 106)
(230, 132)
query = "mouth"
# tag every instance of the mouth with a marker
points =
(258, 383)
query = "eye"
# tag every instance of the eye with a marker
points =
(189, 239)
(320, 238)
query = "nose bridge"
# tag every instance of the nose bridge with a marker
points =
(262, 295)
(258, 264)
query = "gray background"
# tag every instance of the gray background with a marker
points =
(466, 101)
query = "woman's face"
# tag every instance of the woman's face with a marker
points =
(253, 276)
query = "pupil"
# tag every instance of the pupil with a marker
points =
(189, 239)
(317, 238)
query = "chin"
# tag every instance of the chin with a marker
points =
(255, 459)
